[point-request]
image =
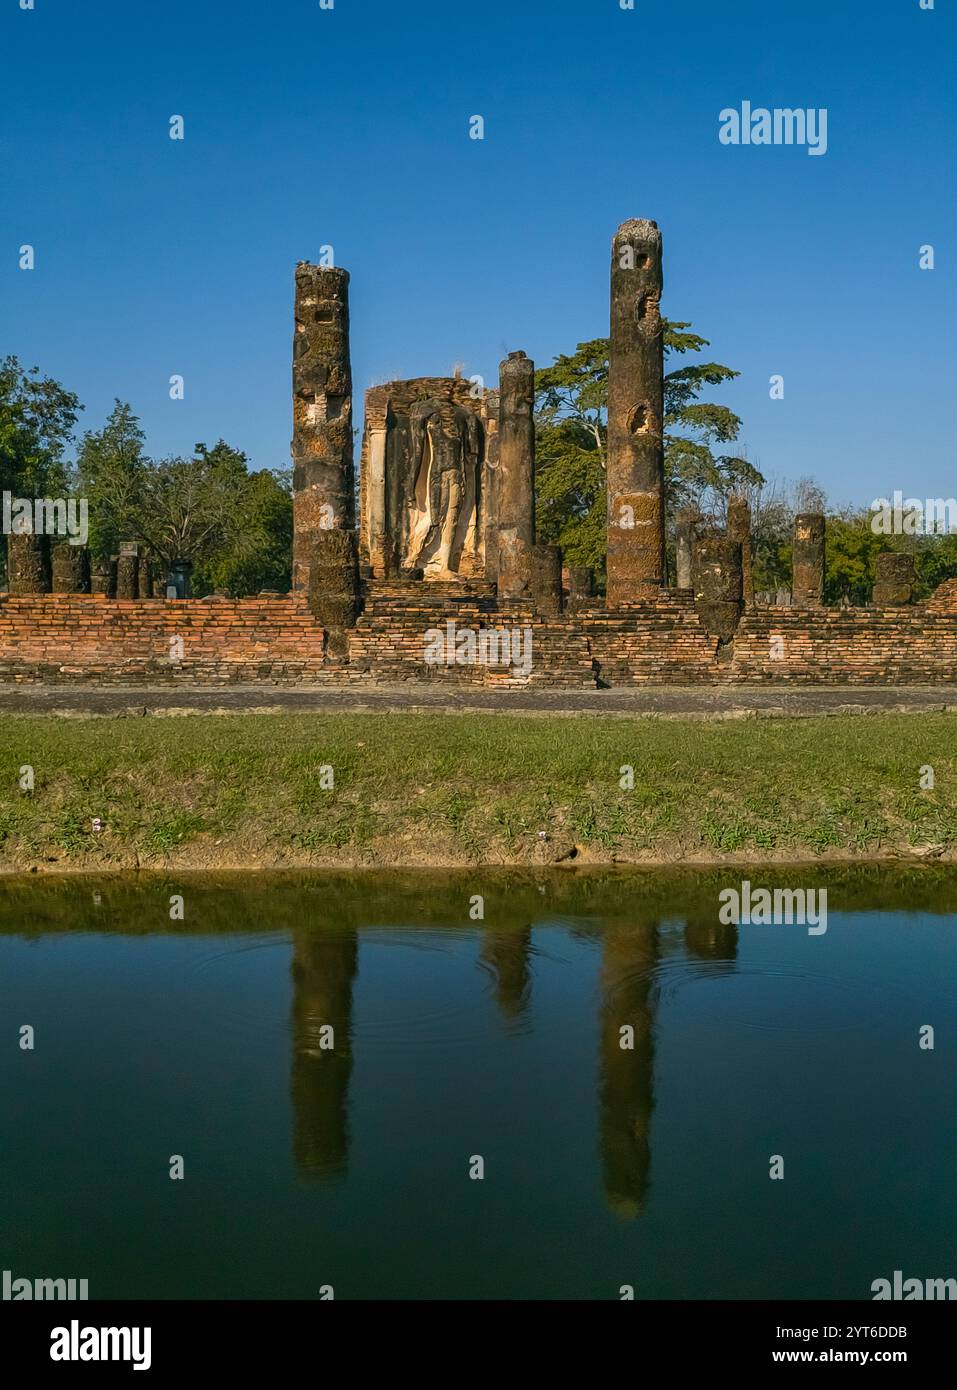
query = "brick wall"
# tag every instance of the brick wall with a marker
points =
(75, 637)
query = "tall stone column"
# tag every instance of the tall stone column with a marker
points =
(739, 529)
(514, 488)
(807, 563)
(322, 446)
(636, 513)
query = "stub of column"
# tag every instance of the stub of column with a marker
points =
(128, 570)
(739, 529)
(684, 549)
(103, 577)
(545, 577)
(70, 566)
(635, 464)
(28, 563)
(322, 444)
(894, 576)
(807, 583)
(513, 498)
(717, 585)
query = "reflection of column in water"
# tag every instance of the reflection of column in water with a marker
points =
(323, 970)
(505, 952)
(629, 955)
(708, 939)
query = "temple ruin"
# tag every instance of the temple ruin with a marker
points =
(433, 548)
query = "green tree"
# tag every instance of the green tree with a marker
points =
(572, 433)
(37, 418)
(110, 470)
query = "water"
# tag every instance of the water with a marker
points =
(455, 1038)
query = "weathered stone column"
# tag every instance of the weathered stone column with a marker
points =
(717, 585)
(28, 563)
(70, 566)
(739, 529)
(334, 586)
(807, 565)
(545, 578)
(684, 549)
(636, 514)
(103, 577)
(893, 579)
(580, 586)
(128, 570)
(514, 488)
(322, 445)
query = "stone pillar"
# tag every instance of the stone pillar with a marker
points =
(545, 578)
(128, 570)
(893, 579)
(513, 499)
(718, 586)
(28, 563)
(807, 566)
(322, 446)
(334, 586)
(70, 565)
(103, 578)
(684, 549)
(580, 586)
(636, 514)
(739, 529)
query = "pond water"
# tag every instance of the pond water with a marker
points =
(348, 1158)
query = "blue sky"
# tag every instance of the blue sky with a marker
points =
(307, 127)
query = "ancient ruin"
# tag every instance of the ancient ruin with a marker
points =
(436, 551)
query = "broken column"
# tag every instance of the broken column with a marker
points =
(684, 548)
(28, 563)
(128, 570)
(807, 565)
(739, 529)
(545, 578)
(322, 415)
(103, 577)
(717, 585)
(70, 566)
(636, 514)
(514, 477)
(893, 579)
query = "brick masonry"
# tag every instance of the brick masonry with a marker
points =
(61, 638)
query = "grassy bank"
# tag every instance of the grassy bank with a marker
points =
(445, 789)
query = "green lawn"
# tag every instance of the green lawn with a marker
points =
(421, 788)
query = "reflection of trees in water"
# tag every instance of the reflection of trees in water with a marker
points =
(323, 971)
(505, 953)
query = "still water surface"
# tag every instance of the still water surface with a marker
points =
(456, 1038)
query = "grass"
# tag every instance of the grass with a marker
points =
(426, 788)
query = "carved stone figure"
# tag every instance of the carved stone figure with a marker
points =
(446, 449)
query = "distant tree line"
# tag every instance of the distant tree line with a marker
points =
(234, 524)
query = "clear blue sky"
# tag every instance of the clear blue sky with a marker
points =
(349, 127)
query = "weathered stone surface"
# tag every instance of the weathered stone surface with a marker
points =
(894, 576)
(322, 446)
(718, 585)
(636, 515)
(739, 529)
(424, 478)
(70, 565)
(128, 571)
(103, 577)
(808, 561)
(685, 523)
(28, 564)
(581, 587)
(512, 501)
(334, 593)
(545, 577)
